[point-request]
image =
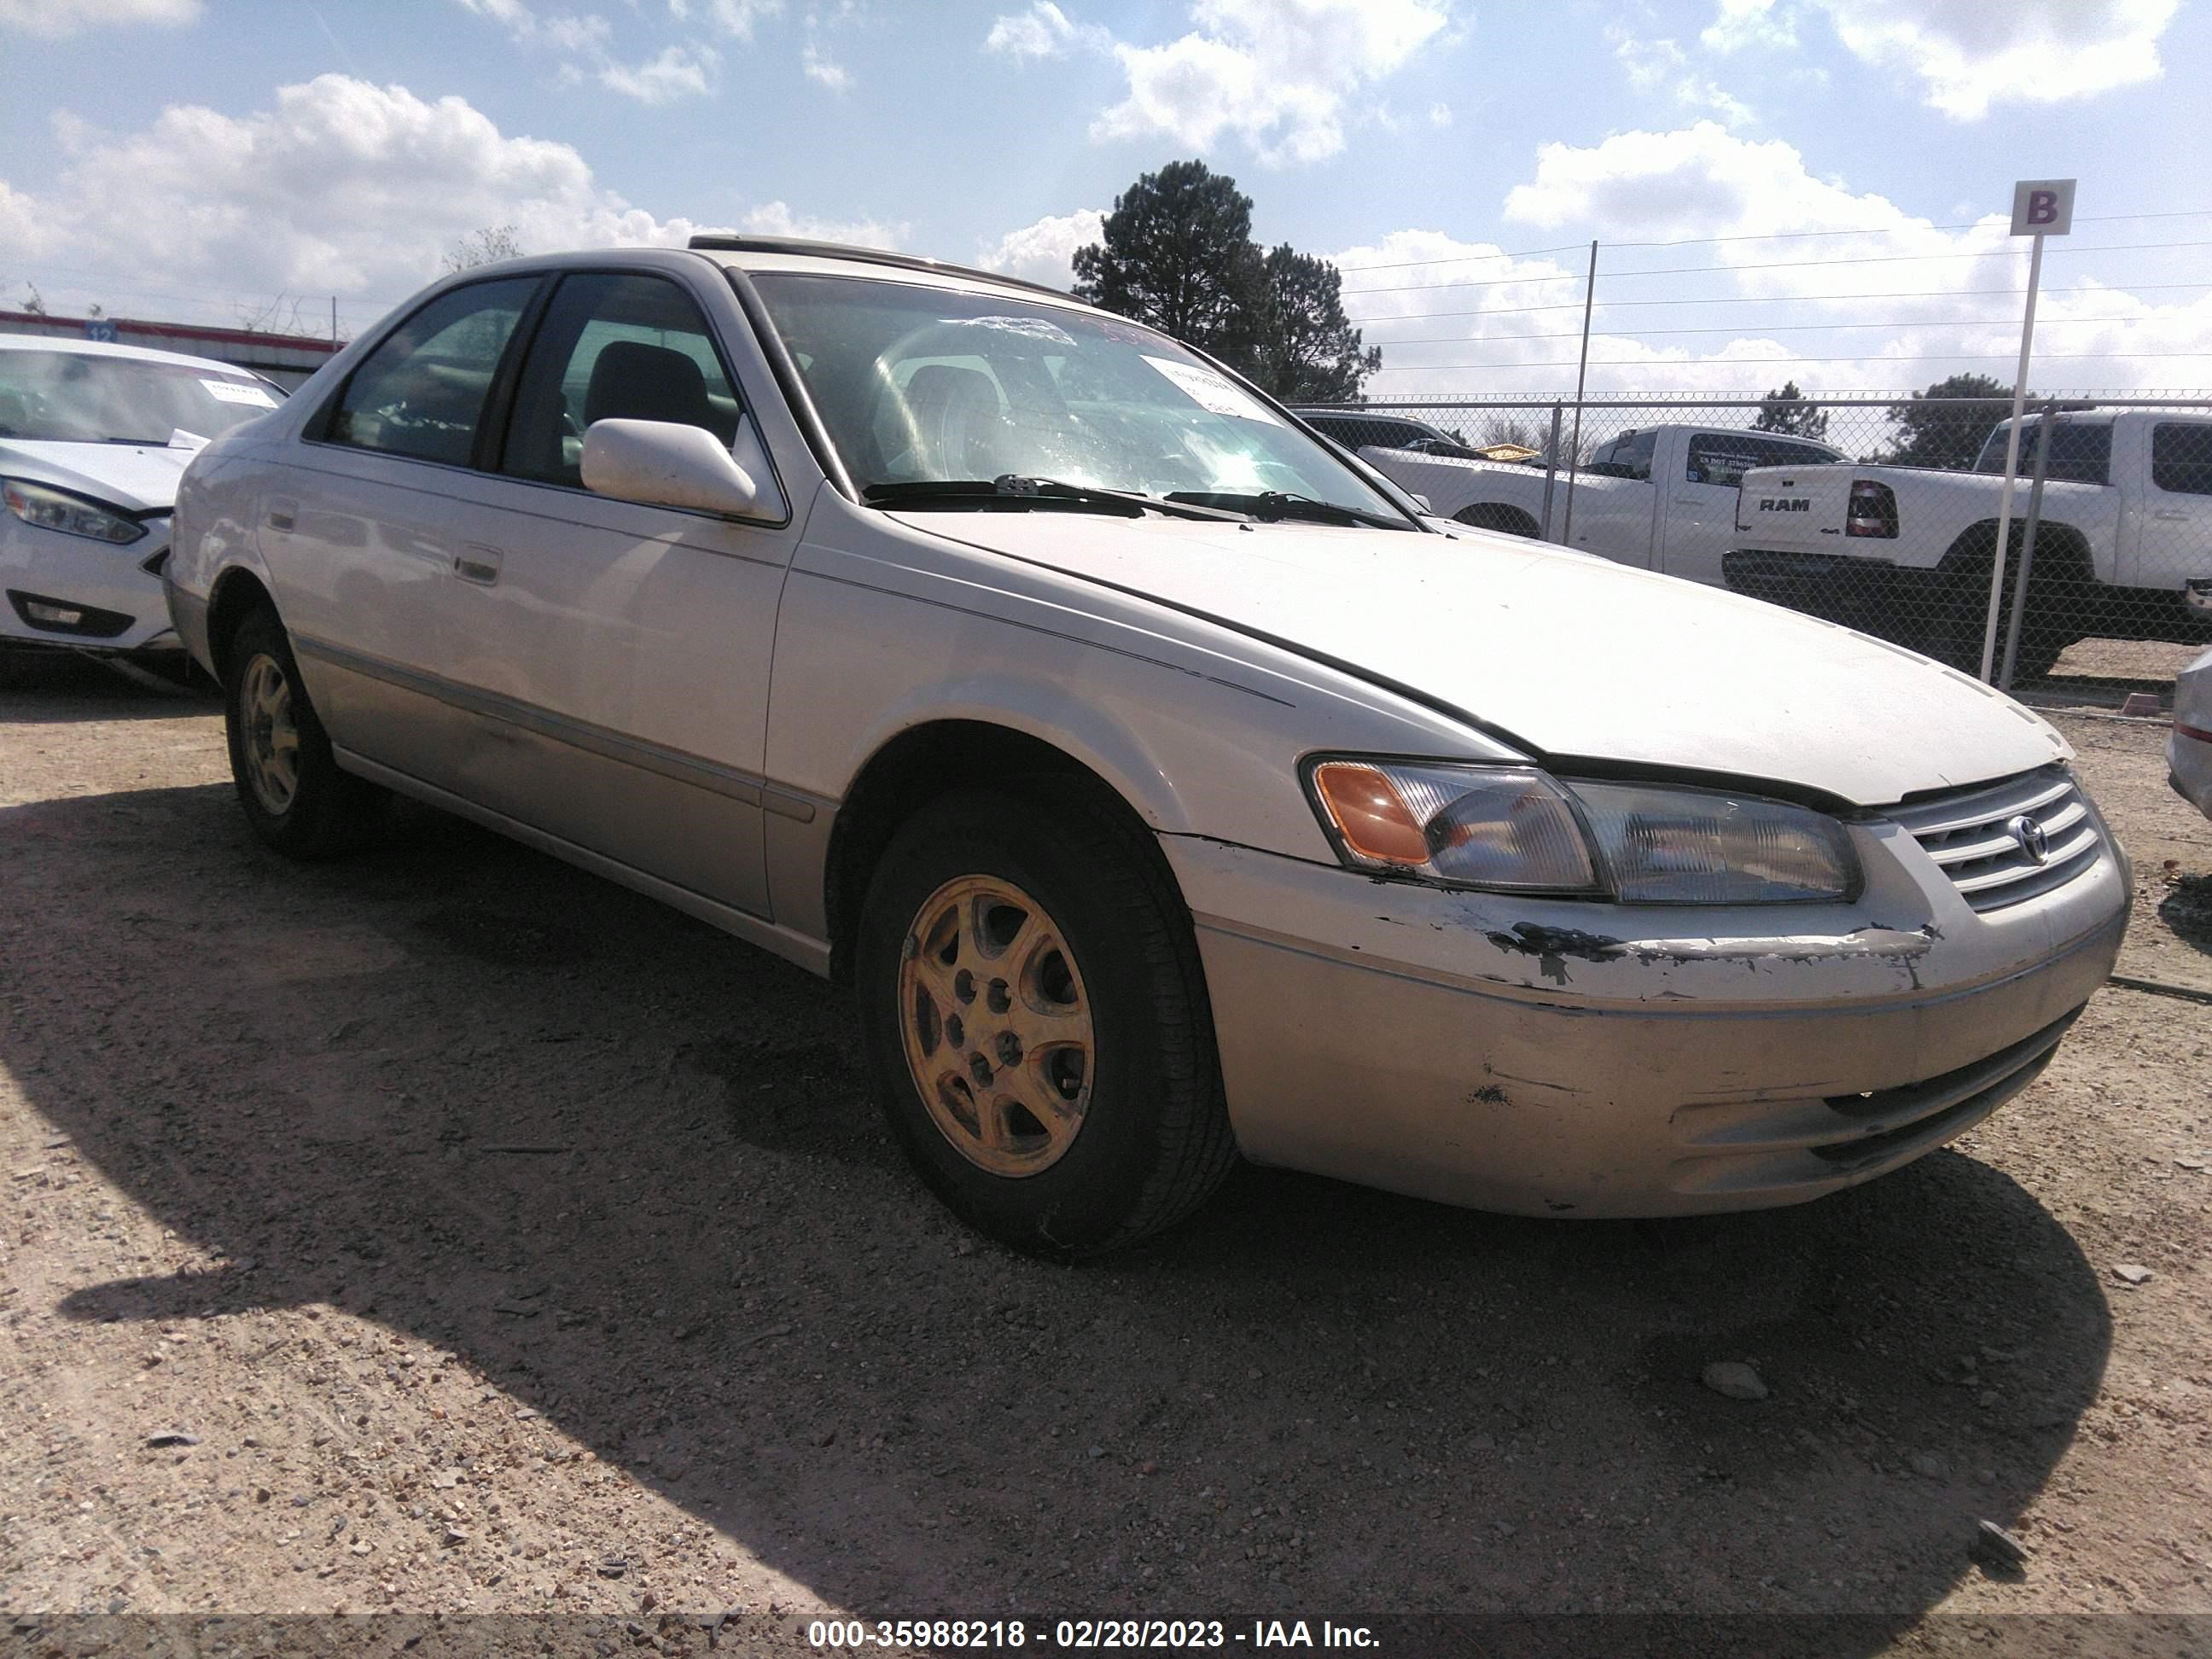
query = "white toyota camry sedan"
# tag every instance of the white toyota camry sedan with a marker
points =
(1166, 788)
(92, 439)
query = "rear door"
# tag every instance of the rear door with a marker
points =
(618, 653)
(1698, 522)
(2173, 528)
(363, 522)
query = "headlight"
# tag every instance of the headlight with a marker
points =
(1514, 829)
(72, 515)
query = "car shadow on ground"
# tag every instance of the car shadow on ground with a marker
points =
(629, 1169)
(44, 687)
(2188, 910)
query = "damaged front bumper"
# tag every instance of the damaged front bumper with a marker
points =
(1547, 1057)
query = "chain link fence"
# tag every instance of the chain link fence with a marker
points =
(1882, 514)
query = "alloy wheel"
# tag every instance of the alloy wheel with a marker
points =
(996, 1025)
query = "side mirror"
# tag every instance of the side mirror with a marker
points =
(663, 464)
(1422, 501)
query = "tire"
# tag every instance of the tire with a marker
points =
(306, 808)
(1962, 613)
(1096, 983)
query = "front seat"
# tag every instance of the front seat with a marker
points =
(633, 381)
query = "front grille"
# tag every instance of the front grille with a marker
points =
(1976, 836)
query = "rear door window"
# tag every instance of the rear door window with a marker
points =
(422, 392)
(2181, 458)
(2080, 452)
(1723, 458)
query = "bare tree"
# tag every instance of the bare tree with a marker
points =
(1513, 429)
(34, 301)
(483, 247)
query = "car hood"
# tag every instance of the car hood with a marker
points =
(140, 477)
(1567, 656)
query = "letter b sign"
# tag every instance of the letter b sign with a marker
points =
(2043, 207)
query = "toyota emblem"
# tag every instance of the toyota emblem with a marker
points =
(2032, 837)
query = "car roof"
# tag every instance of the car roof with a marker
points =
(760, 254)
(105, 348)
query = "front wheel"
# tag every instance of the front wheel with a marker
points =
(1036, 1019)
(294, 795)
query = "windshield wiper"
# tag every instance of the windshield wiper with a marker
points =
(1271, 505)
(1030, 492)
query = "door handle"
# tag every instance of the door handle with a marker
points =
(284, 515)
(478, 563)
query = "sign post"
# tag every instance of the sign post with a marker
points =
(2040, 207)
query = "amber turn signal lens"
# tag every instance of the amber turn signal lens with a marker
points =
(1370, 814)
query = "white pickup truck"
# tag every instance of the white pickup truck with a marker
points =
(2124, 550)
(1663, 498)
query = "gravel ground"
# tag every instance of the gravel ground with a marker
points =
(446, 1229)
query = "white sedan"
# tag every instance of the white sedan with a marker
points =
(1164, 786)
(92, 439)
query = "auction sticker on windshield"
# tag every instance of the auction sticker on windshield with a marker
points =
(1210, 393)
(237, 391)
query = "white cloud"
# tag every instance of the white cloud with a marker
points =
(342, 187)
(1742, 23)
(776, 219)
(55, 18)
(1043, 31)
(822, 68)
(1654, 66)
(513, 16)
(587, 34)
(678, 72)
(734, 18)
(1821, 272)
(1044, 251)
(1970, 54)
(1440, 115)
(1277, 73)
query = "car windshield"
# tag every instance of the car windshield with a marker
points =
(78, 397)
(921, 385)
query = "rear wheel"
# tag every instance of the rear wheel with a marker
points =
(2051, 620)
(294, 795)
(1036, 1019)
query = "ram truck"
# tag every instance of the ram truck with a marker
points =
(2123, 550)
(1661, 499)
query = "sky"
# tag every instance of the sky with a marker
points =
(1816, 189)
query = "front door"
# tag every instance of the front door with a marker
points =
(618, 653)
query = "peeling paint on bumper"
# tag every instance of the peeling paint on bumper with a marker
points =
(1547, 1057)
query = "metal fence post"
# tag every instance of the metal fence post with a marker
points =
(1551, 471)
(1574, 452)
(2019, 619)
